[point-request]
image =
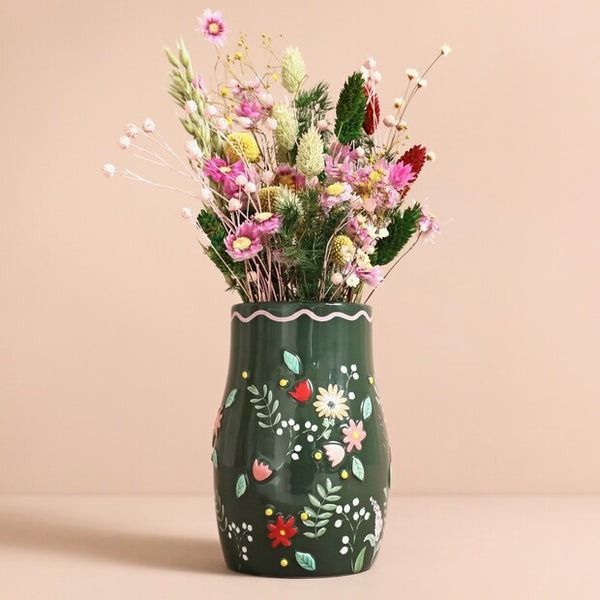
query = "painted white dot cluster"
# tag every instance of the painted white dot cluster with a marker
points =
(241, 536)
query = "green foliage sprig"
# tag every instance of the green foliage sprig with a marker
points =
(403, 225)
(350, 109)
(312, 105)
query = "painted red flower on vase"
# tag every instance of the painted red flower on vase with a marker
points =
(281, 532)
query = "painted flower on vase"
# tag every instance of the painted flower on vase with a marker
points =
(261, 470)
(331, 402)
(281, 532)
(354, 434)
(217, 423)
(335, 453)
(245, 242)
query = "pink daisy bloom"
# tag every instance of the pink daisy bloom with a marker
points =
(222, 172)
(354, 434)
(267, 223)
(244, 243)
(212, 26)
(400, 175)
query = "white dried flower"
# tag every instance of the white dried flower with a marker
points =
(266, 99)
(398, 102)
(401, 125)
(389, 121)
(352, 280)
(124, 141)
(293, 70)
(234, 204)
(383, 232)
(109, 169)
(412, 73)
(245, 122)
(211, 110)
(422, 83)
(337, 279)
(190, 107)
(370, 63)
(376, 77)
(193, 150)
(366, 73)
(148, 125)
(445, 49)
(323, 125)
(430, 155)
(267, 177)
(250, 187)
(221, 124)
(132, 130)
(360, 152)
(186, 212)
(271, 123)
(206, 194)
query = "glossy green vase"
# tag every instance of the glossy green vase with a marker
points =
(300, 452)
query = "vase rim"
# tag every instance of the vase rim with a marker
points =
(267, 305)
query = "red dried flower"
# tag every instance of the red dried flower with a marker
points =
(415, 157)
(373, 111)
(281, 531)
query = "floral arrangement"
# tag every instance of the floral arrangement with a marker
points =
(297, 199)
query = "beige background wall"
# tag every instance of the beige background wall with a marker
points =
(114, 328)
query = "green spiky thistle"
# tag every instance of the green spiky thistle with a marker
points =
(350, 109)
(403, 225)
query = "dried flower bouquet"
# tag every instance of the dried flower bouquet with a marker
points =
(297, 200)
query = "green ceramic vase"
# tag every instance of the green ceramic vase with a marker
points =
(300, 451)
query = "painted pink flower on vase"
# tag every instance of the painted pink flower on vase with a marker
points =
(212, 26)
(218, 421)
(261, 470)
(354, 434)
(400, 175)
(335, 453)
(244, 243)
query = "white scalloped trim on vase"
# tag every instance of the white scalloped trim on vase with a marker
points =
(303, 311)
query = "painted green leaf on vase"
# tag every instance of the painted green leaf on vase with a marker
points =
(292, 362)
(241, 485)
(358, 562)
(367, 407)
(357, 468)
(230, 398)
(306, 561)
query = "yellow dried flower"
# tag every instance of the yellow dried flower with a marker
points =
(310, 158)
(225, 92)
(242, 146)
(293, 70)
(268, 195)
(342, 250)
(287, 126)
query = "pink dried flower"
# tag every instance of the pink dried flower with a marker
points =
(244, 243)
(250, 109)
(267, 223)
(290, 177)
(400, 175)
(428, 227)
(225, 174)
(212, 26)
(372, 276)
